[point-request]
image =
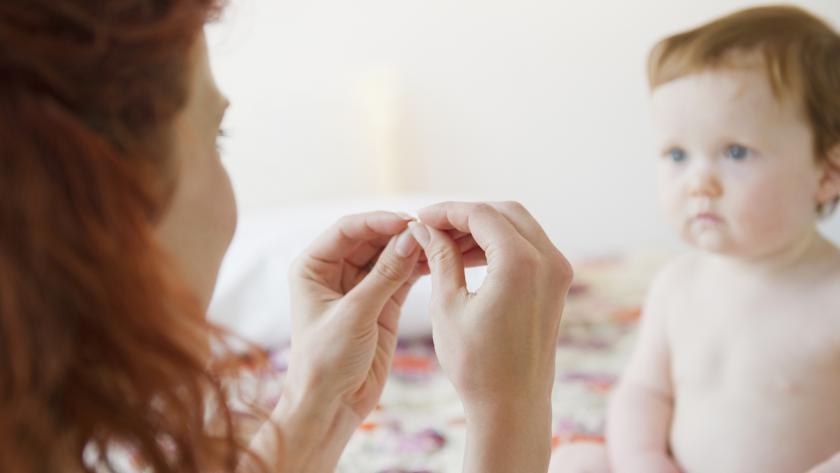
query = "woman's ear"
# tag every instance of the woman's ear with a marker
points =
(830, 182)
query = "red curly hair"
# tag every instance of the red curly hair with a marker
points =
(101, 345)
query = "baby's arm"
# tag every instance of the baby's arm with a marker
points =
(639, 417)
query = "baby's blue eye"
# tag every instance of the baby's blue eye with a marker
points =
(676, 155)
(737, 152)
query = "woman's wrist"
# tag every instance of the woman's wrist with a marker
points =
(315, 430)
(510, 435)
(518, 414)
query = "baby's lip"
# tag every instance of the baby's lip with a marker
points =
(706, 217)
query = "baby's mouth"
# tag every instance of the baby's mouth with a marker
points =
(706, 217)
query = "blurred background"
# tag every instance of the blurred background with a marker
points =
(349, 105)
(388, 102)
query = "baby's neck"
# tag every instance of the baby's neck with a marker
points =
(806, 254)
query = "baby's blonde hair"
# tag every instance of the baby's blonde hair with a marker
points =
(800, 53)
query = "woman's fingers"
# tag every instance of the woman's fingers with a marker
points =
(350, 232)
(367, 252)
(392, 270)
(455, 215)
(465, 243)
(444, 260)
(502, 242)
(525, 223)
(471, 259)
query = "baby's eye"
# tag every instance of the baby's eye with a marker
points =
(737, 152)
(676, 155)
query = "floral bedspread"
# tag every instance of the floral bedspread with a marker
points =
(419, 425)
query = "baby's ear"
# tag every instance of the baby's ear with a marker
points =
(830, 182)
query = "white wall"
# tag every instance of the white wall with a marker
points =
(540, 101)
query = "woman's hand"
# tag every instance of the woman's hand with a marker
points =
(497, 345)
(347, 289)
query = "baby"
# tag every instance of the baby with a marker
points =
(737, 367)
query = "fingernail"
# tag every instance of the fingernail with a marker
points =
(420, 233)
(405, 216)
(406, 244)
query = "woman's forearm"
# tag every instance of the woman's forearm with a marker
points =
(503, 439)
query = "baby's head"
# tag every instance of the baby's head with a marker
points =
(747, 110)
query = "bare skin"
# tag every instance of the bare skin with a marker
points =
(736, 364)
(754, 368)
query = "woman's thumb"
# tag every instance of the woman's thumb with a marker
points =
(445, 263)
(391, 271)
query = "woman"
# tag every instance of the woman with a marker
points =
(115, 212)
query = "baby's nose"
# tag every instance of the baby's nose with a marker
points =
(704, 182)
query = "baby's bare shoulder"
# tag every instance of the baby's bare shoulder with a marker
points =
(815, 295)
(670, 286)
(827, 293)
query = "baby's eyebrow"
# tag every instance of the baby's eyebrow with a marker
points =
(669, 145)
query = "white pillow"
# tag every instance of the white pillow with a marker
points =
(252, 293)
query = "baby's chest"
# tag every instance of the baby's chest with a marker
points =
(770, 346)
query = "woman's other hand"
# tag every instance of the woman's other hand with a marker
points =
(498, 344)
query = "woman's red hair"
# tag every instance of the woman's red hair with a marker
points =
(101, 345)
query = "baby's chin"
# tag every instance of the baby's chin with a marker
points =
(722, 245)
(715, 242)
(744, 243)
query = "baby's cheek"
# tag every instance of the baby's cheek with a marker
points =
(675, 217)
(670, 202)
(771, 213)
